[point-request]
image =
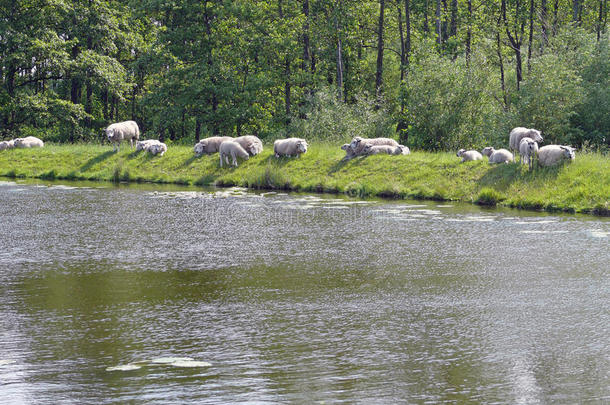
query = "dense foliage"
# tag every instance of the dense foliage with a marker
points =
(437, 73)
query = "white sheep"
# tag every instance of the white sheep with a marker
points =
(385, 149)
(358, 144)
(7, 144)
(348, 151)
(498, 156)
(252, 144)
(528, 148)
(158, 148)
(144, 145)
(551, 155)
(126, 130)
(290, 147)
(210, 145)
(28, 142)
(519, 133)
(469, 155)
(233, 149)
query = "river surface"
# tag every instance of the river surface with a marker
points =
(275, 298)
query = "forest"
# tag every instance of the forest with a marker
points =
(435, 74)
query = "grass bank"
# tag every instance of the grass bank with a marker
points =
(582, 186)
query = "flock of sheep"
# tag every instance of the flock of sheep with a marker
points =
(522, 140)
(525, 141)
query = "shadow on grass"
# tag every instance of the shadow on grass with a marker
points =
(356, 161)
(98, 159)
(190, 160)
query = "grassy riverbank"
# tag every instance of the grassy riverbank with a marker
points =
(582, 186)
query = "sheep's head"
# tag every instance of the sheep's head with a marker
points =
(345, 146)
(568, 152)
(535, 135)
(460, 152)
(302, 146)
(355, 142)
(139, 146)
(487, 151)
(404, 150)
(4, 145)
(199, 148)
(109, 133)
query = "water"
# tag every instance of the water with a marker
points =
(295, 299)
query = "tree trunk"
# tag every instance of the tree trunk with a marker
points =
(501, 62)
(575, 10)
(555, 16)
(339, 58)
(426, 24)
(444, 22)
(531, 37)
(379, 74)
(287, 88)
(469, 33)
(88, 104)
(408, 21)
(197, 130)
(544, 25)
(454, 12)
(600, 20)
(439, 37)
(402, 45)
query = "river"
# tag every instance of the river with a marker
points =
(290, 298)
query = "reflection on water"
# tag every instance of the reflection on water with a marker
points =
(182, 295)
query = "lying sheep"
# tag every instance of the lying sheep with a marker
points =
(126, 130)
(551, 155)
(210, 145)
(158, 148)
(233, 149)
(469, 155)
(498, 156)
(144, 145)
(358, 144)
(387, 149)
(28, 142)
(290, 147)
(528, 148)
(519, 133)
(7, 144)
(252, 144)
(348, 151)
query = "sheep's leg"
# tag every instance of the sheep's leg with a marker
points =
(234, 159)
(220, 154)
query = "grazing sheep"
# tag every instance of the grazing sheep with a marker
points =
(158, 148)
(387, 149)
(519, 133)
(358, 144)
(233, 149)
(252, 144)
(498, 156)
(528, 148)
(348, 151)
(551, 155)
(469, 155)
(28, 142)
(289, 147)
(210, 145)
(126, 130)
(7, 144)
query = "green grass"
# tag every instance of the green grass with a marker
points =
(581, 186)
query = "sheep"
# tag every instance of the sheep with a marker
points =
(145, 145)
(158, 148)
(358, 144)
(7, 144)
(519, 133)
(289, 147)
(388, 149)
(233, 149)
(469, 155)
(28, 142)
(551, 155)
(126, 130)
(252, 144)
(498, 156)
(210, 145)
(528, 148)
(348, 151)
